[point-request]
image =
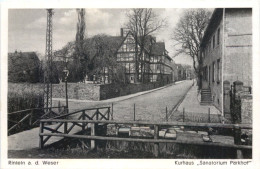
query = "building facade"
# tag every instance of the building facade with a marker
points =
(153, 65)
(226, 50)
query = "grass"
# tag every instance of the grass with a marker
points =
(74, 149)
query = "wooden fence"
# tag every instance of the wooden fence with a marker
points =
(90, 114)
(26, 119)
(81, 121)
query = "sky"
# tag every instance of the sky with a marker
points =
(27, 28)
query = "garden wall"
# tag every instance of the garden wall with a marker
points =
(84, 91)
(114, 90)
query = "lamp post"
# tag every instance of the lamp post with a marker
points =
(66, 73)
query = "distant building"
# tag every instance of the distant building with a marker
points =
(23, 67)
(183, 72)
(226, 50)
(153, 65)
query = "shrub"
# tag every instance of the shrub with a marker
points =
(22, 101)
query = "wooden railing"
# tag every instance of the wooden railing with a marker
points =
(156, 125)
(81, 115)
(28, 118)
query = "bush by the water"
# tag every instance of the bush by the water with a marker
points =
(18, 101)
(21, 101)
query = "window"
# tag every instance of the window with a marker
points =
(209, 73)
(132, 67)
(218, 38)
(218, 70)
(213, 42)
(213, 71)
(124, 47)
(205, 73)
(209, 47)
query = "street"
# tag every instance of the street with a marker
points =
(150, 106)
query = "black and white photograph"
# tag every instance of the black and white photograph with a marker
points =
(129, 83)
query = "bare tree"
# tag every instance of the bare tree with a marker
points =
(189, 33)
(142, 24)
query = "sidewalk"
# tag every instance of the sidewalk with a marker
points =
(192, 104)
(195, 112)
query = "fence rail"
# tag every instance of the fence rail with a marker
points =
(81, 121)
(185, 124)
(25, 119)
(156, 125)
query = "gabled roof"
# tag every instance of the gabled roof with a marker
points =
(158, 48)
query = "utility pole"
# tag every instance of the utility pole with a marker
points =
(48, 57)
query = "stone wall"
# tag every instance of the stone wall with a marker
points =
(114, 90)
(246, 109)
(82, 91)
(79, 91)
(75, 90)
(241, 103)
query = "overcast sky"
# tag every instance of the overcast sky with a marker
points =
(27, 27)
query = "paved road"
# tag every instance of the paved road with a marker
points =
(149, 106)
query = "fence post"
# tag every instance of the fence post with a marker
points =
(65, 123)
(93, 133)
(83, 124)
(209, 115)
(134, 112)
(108, 113)
(41, 137)
(237, 140)
(97, 112)
(30, 120)
(156, 144)
(112, 112)
(183, 117)
(166, 114)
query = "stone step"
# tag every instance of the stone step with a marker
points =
(206, 96)
(205, 91)
(206, 99)
(206, 103)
